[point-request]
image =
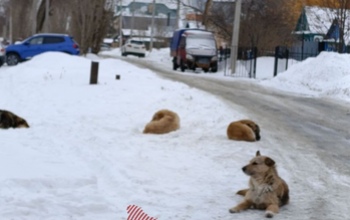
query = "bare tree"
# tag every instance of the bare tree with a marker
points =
(90, 21)
(263, 24)
(4, 18)
(87, 21)
(41, 15)
(339, 15)
(207, 8)
(19, 11)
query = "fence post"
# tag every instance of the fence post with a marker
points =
(287, 57)
(94, 72)
(255, 54)
(276, 61)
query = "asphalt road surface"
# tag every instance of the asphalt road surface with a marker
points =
(311, 135)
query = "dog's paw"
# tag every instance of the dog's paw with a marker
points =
(269, 214)
(233, 210)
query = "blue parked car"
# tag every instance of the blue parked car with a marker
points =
(40, 43)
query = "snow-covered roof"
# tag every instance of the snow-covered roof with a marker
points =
(199, 32)
(319, 19)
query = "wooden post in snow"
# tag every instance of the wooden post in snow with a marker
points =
(94, 72)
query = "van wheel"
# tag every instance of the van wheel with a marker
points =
(182, 65)
(12, 59)
(174, 65)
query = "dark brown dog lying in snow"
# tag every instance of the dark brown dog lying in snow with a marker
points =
(10, 120)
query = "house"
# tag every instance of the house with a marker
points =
(136, 20)
(322, 24)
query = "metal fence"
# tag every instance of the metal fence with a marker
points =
(287, 56)
(245, 65)
(284, 57)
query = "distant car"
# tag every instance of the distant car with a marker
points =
(2, 54)
(38, 44)
(134, 47)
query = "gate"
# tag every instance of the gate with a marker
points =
(245, 65)
(281, 60)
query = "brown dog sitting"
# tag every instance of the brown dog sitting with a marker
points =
(163, 121)
(10, 120)
(243, 130)
(266, 189)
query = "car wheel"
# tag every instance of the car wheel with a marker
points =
(12, 59)
(1, 62)
(205, 70)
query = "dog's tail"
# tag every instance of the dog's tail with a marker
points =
(242, 192)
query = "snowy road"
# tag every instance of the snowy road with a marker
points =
(311, 135)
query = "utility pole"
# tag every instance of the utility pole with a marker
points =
(178, 14)
(303, 31)
(235, 35)
(152, 25)
(132, 19)
(120, 23)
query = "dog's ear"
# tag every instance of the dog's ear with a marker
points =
(269, 162)
(257, 153)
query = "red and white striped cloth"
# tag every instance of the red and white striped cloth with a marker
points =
(136, 213)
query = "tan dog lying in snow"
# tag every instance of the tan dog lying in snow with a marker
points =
(266, 189)
(243, 130)
(163, 121)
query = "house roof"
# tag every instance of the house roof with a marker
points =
(144, 33)
(169, 3)
(145, 7)
(143, 23)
